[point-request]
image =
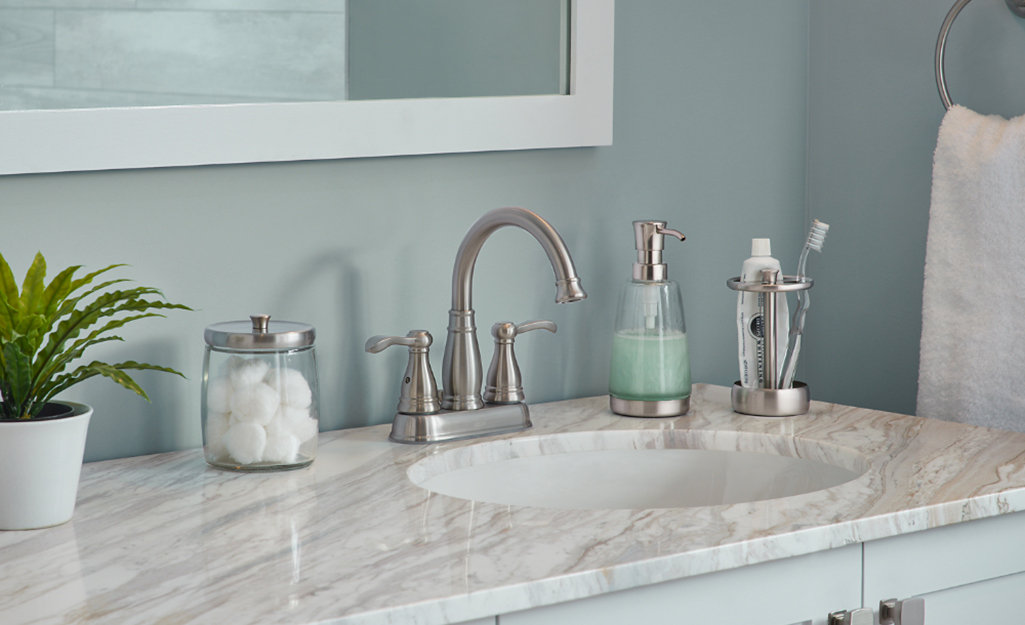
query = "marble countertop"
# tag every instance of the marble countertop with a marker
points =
(167, 539)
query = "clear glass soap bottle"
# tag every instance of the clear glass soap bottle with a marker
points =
(650, 369)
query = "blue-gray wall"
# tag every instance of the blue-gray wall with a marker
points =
(710, 118)
(874, 113)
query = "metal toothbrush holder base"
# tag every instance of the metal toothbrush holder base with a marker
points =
(769, 400)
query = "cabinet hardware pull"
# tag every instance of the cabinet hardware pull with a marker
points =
(860, 616)
(906, 612)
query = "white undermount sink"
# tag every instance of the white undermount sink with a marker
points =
(631, 469)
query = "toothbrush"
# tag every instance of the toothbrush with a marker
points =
(816, 237)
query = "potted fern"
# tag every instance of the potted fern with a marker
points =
(44, 330)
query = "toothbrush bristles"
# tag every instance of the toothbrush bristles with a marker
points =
(817, 236)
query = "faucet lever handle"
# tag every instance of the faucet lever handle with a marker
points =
(504, 384)
(527, 326)
(419, 391)
(415, 338)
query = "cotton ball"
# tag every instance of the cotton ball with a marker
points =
(255, 403)
(306, 429)
(289, 416)
(245, 442)
(298, 421)
(248, 372)
(232, 362)
(282, 445)
(218, 394)
(217, 424)
(292, 386)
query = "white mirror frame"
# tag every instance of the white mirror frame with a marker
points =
(38, 141)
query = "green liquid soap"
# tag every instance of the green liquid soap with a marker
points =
(647, 366)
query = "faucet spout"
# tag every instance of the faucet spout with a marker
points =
(567, 282)
(462, 372)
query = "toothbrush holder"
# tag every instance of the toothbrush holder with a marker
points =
(770, 400)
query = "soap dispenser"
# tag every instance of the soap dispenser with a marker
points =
(650, 372)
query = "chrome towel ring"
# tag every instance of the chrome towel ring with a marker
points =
(1017, 7)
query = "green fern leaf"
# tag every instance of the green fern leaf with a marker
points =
(89, 277)
(33, 286)
(8, 285)
(45, 380)
(142, 366)
(18, 375)
(49, 362)
(71, 303)
(10, 301)
(78, 320)
(30, 326)
(63, 382)
(58, 289)
(119, 376)
(108, 327)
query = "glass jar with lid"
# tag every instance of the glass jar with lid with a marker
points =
(260, 400)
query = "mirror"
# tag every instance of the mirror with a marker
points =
(188, 82)
(457, 48)
(182, 52)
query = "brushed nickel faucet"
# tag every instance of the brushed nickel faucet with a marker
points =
(462, 370)
(463, 412)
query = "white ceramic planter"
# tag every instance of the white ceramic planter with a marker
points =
(40, 462)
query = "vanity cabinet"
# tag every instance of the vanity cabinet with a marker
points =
(800, 589)
(968, 573)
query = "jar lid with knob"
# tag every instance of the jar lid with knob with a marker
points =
(259, 334)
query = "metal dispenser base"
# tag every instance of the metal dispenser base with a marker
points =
(662, 408)
(771, 402)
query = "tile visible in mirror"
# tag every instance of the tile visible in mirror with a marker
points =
(26, 47)
(265, 55)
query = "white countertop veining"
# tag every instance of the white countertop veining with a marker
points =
(167, 539)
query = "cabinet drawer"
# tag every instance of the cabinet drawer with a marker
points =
(945, 557)
(992, 601)
(780, 592)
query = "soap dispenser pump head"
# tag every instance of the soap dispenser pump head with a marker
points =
(649, 239)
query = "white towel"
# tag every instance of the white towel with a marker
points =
(972, 366)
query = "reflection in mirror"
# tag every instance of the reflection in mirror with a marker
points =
(457, 48)
(100, 53)
(71, 54)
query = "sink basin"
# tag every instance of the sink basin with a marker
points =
(637, 469)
